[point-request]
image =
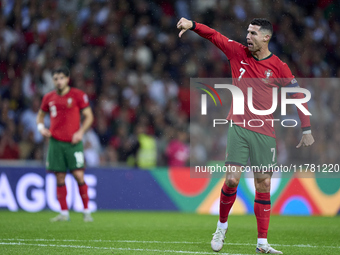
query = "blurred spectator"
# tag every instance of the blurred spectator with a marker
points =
(141, 149)
(7, 114)
(109, 157)
(177, 151)
(9, 148)
(7, 35)
(163, 90)
(29, 123)
(92, 148)
(68, 6)
(26, 145)
(36, 153)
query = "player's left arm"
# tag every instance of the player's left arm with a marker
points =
(86, 124)
(86, 111)
(307, 138)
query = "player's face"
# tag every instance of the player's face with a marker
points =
(60, 81)
(255, 38)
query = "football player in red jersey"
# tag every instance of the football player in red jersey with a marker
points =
(65, 106)
(255, 62)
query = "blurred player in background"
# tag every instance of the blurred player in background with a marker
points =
(257, 62)
(65, 106)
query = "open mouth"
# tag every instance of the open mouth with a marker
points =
(250, 44)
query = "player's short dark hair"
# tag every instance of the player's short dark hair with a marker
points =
(63, 69)
(263, 23)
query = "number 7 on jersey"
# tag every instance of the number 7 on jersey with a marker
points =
(242, 70)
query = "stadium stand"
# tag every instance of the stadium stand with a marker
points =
(127, 57)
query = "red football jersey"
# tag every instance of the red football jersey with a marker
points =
(247, 71)
(64, 112)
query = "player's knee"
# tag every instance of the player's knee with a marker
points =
(232, 182)
(60, 182)
(263, 186)
(79, 178)
(60, 179)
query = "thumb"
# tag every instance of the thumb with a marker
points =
(182, 32)
(299, 145)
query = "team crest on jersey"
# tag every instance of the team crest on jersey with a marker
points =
(268, 73)
(69, 102)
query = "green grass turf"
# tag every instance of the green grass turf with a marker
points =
(160, 233)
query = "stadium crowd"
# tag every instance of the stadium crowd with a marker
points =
(126, 55)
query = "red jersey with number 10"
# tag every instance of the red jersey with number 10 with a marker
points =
(247, 71)
(64, 112)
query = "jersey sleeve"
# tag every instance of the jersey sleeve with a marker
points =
(286, 76)
(228, 46)
(305, 120)
(82, 100)
(44, 105)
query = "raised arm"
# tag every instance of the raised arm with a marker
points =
(222, 42)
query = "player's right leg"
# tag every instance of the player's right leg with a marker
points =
(262, 211)
(76, 163)
(237, 155)
(56, 163)
(83, 192)
(61, 196)
(227, 199)
(262, 153)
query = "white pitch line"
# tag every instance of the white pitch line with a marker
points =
(102, 241)
(111, 248)
(164, 242)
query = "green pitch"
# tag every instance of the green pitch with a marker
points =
(160, 233)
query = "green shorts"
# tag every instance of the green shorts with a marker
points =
(63, 156)
(243, 144)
